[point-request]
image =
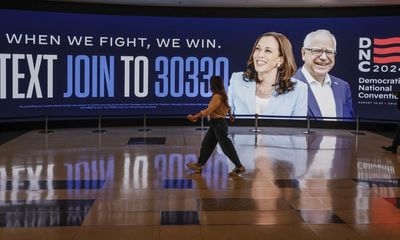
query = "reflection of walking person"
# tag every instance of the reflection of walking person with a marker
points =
(396, 140)
(218, 132)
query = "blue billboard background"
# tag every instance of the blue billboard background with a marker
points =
(70, 64)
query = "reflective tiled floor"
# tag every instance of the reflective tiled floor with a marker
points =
(129, 184)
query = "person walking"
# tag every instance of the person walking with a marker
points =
(216, 111)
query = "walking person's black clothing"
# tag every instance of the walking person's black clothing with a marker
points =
(218, 131)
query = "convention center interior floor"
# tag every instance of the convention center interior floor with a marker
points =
(124, 184)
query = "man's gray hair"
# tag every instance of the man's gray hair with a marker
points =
(307, 40)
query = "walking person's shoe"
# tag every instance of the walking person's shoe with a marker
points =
(390, 148)
(237, 171)
(196, 167)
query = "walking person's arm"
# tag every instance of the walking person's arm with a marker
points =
(212, 106)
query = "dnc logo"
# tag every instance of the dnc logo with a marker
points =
(376, 53)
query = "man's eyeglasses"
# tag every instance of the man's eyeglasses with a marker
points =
(319, 51)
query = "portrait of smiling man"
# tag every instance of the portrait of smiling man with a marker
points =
(328, 96)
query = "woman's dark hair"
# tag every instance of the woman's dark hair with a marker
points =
(217, 86)
(285, 71)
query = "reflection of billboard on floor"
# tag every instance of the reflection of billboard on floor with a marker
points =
(75, 64)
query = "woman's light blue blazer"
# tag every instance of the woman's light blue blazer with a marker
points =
(242, 99)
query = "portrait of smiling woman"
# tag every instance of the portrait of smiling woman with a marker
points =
(266, 87)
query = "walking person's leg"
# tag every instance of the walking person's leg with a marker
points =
(207, 147)
(221, 133)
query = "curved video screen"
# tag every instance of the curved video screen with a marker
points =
(80, 64)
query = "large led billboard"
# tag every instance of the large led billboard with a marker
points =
(80, 64)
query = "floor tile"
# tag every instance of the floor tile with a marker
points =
(308, 203)
(335, 231)
(370, 216)
(177, 183)
(122, 219)
(41, 233)
(377, 231)
(146, 140)
(178, 204)
(53, 184)
(179, 193)
(179, 218)
(394, 201)
(76, 195)
(46, 206)
(111, 194)
(286, 183)
(342, 192)
(235, 204)
(250, 217)
(245, 232)
(293, 193)
(127, 205)
(118, 233)
(183, 232)
(327, 183)
(386, 192)
(320, 217)
(45, 213)
(232, 183)
(257, 193)
(356, 203)
(41, 219)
